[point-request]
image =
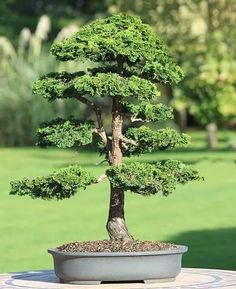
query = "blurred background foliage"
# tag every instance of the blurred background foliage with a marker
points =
(200, 34)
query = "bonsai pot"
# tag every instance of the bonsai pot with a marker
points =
(94, 268)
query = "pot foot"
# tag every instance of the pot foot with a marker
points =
(80, 282)
(150, 281)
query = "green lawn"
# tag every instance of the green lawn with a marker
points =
(201, 215)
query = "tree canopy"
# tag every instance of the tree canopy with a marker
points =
(129, 61)
(125, 37)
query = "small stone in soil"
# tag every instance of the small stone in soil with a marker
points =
(115, 246)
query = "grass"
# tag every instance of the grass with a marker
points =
(201, 215)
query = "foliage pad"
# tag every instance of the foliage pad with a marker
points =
(147, 140)
(56, 85)
(65, 133)
(68, 85)
(113, 85)
(125, 36)
(148, 179)
(61, 184)
(149, 112)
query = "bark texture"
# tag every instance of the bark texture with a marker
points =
(183, 119)
(116, 226)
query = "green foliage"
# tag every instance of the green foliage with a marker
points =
(211, 83)
(66, 85)
(113, 85)
(61, 184)
(162, 73)
(105, 39)
(121, 37)
(55, 85)
(65, 133)
(148, 179)
(147, 140)
(149, 112)
(127, 58)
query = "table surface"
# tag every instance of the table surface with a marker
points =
(189, 278)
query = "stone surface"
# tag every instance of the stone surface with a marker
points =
(188, 279)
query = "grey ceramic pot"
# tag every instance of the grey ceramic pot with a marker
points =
(94, 268)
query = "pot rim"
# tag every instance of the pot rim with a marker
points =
(179, 250)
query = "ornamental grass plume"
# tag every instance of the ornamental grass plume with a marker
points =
(20, 111)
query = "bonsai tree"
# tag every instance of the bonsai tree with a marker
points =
(128, 62)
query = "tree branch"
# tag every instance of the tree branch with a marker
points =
(100, 129)
(129, 141)
(124, 145)
(101, 178)
(101, 162)
(133, 119)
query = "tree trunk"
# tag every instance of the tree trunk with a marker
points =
(211, 129)
(116, 226)
(168, 92)
(182, 119)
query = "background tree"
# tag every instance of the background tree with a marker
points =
(201, 35)
(129, 58)
(209, 90)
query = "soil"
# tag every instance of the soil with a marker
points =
(115, 246)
